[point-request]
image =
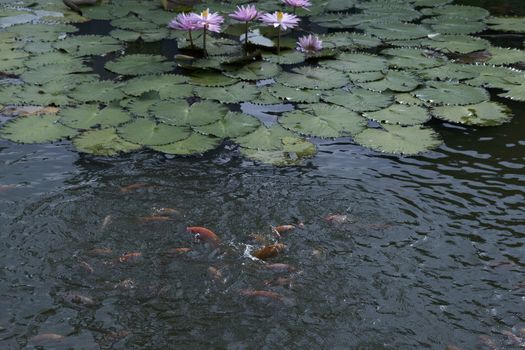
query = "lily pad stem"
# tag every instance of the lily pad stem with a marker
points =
(204, 42)
(246, 41)
(278, 40)
(191, 39)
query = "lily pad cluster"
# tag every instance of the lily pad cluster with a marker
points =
(387, 68)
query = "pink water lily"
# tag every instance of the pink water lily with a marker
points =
(298, 3)
(187, 22)
(280, 20)
(210, 21)
(245, 14)
(309, 44)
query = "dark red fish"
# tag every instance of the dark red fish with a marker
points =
(284, 228)
(176, 251)
(203, 234)
(129, 257)
(266, 294)
(100, 252)
(165, 212)
(7, 187)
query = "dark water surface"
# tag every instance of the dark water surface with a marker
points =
(432, 254)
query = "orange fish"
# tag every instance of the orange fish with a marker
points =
(279, 267)
(100, 252)
(337, 218)
(134, 187)
(165, 212)
(283, 228)
(129, 257)
(269, 251)
(177, 251)
(203, 234)
(215, 273)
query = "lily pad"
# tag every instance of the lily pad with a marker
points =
(104, 142)
(293, 152)
(233, 124)
(140, 64)
(297, 95)
(240, 92)
(147, 132)
(171, 112)
(359, 100)
(323, 120)
(394, 81)
(413, 59)
(195, 144)
(448, 93)
(88, 116)
(507, 24)
(313, 78)
(395, 139)
(36, 129)
(264, 138)
(255, 71)
(356, 62)
(210, 78)
(97, 91)
(483, 114)
(395, 31)
(83, 45)
(169, 86)
(400, 114)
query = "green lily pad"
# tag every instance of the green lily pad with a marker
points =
(147, 132)
(233, 124)
(394, 81)
(323, 120)
(104, 142)
(264, 138)
(210, 78)
(413, 59)
(483, 114)
(313, 78)
(255, 71)
(97, 91)
(400, 114)
(240, 92)
(290, 94)
(286, 57)
(501, 56)
(195, 144)
(449, 71)
(169, 86)
(83, 45)
(206, 112)
(45, 74)
(365, 77)
(359, 100)
(171, 112)
(140, 64)
(454, 25)
(395, 139)
(507, 24)
(293, 152)
(345, 41)
(448, 93)
(464, 12)
(461, 44)
(395, 31)
(36, 129)
(140, 105)
(88, 116)
(356, 62)
(124, 35)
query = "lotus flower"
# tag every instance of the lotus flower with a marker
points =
(187, 22)
(210, 21)
(280, 20)
(245, 14)
(298, 3)
(309, 44)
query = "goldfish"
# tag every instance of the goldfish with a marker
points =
(336, 218)
(7, 187)
(165, 212)
(283, 228)
(136, 186)
(486, 340)
(129, 257)
(203, 234)
(177, 251)
(266, 294)
(279, 267)
(269, 251)
(45, 337)
(258, 238)
(100, 252)
(79, 299)
(452, 347)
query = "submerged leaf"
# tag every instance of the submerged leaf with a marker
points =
(104, 142)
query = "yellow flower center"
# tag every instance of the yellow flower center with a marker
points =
(205, 13)
(279, 16)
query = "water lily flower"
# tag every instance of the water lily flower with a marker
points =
(280, 20)
(245, 14)
(309, 44)
(209, 21)
(298, 3)
(187, 22)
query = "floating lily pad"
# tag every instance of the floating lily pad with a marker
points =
(147, 132)
(483, 114)
(365, 77)
(210, 78)
(465, 12)
(232, 125)
(140, 105)
(195, 144)
(206, 112)
(104, 142)
(286, 57)
(264, 138)
(507, 24)
(356, 62)
(45, 74)
(83, 45)
(255, 71)
(413, 59)
(171, 112)
(396, 31)
(501, 56)
(345, 40)
(168, 86)
(88, 116)
(400, 114)
(322, 120)
(52, 58)
(454, 25)
(359, 100)
(294, 150)
(449, 71)
(457, 43)
(36, 129)
(447, 93)
(290, 94)
(240, 92)
(140, 64)
(394, 81)
(313, 78)
(97, 91)
(395, 139)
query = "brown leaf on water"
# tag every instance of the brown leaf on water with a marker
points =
(24, 111)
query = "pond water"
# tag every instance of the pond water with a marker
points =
(430, 254)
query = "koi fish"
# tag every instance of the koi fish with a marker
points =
(336, 218)
(452, 347)
(279, 267)
(485, 339)
(129, 257)
(86, 267)
(215, 273)
(165, 212)
(154, 218)
(266, 294)
(107, 220)
(100, 252)
(514, 338)
(134, 187)
(269, 251)
(176, 251)
(7, 187)
(79, 299)
(45, 337)
(203, 234)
